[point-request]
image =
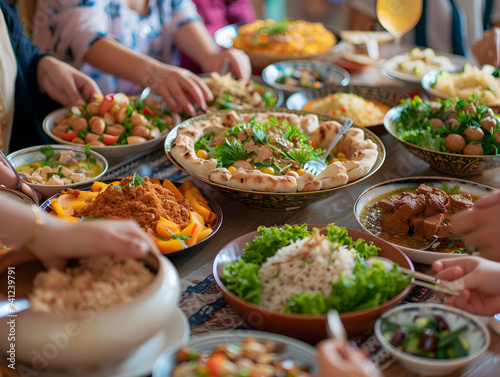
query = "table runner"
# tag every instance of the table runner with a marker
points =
(207, 311)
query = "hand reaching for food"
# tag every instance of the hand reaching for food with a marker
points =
(65, 84)
(344, 360)
(181, 89)
(231, 60)
(479, 226)
(54, 241)
(475, 275)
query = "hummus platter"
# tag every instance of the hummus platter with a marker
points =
(264, 151)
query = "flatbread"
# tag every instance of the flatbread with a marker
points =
(361, 154)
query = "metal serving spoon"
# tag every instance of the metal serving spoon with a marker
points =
(335, 327)
(317, 166)
(10, 308)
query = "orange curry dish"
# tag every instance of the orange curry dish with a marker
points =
(145, 204)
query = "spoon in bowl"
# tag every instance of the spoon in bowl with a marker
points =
(21, 186)
(335, 327)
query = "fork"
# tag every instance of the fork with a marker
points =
(317, 166)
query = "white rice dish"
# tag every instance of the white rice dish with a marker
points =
(307, 265)
(464, 84)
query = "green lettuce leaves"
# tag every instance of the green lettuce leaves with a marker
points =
(371, 286)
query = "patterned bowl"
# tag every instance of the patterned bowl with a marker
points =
(375, 193)
(446, 162)
(477, 335)
(274, 71)
(385, 95)
(224, 38)
(274, 200)
(308, 328)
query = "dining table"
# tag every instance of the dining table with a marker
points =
(204, 306)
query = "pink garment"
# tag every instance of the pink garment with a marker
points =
(219, 13)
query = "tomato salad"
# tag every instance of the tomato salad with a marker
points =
(115, 119)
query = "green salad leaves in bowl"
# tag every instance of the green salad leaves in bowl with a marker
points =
(285, 279)
(454, 136)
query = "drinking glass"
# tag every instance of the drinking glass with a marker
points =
(399, 16)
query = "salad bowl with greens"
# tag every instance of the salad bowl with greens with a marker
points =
(458, 137)
(360, 293)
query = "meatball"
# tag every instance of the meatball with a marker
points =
(454, 143)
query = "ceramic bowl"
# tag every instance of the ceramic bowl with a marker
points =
(300, 352)
(277, 93)
(33, 154)
(47, 207)
(86, 340)
(391, 65)
(114, 153)
(274, 71)
(309, 328)
(477, 335)
(274, 200)
(446, 162)
(384, 189)
(224, 38)
(430, 78)
(384, 95)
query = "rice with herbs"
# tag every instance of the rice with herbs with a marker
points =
(362, 112)
(95, 283)
(307, 265)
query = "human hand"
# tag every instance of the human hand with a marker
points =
(237, 61)
(487, 49)
(479, 225)
(7, 176)
(59, 240)
(479, 295)
(344, 360)
(65, 84)
(180, 89)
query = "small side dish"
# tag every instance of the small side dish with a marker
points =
(363, 112)
(61, 168)
(294, 270)
(427, 336)
(413, 218)
(112, 120)
(285, 37)
(418, 62)
(461, 126)
(176, 218)
(231, 93)
(470, 80)
(251, 357)
(305, 78)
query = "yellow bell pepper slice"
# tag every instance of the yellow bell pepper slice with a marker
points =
(164, 228)
(204, 234)
(186, 186)
(170, 186)
(199, 204)
(98, 186)
(169, 246)
(155, 181)
(69, 211)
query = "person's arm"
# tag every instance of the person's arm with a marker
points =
(53, 240)
(362, 14)
(178, 87)
(487, 49)
(480, 296)
(193, 39)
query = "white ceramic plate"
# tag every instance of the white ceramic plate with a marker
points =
(390, 69)
(377, 192)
